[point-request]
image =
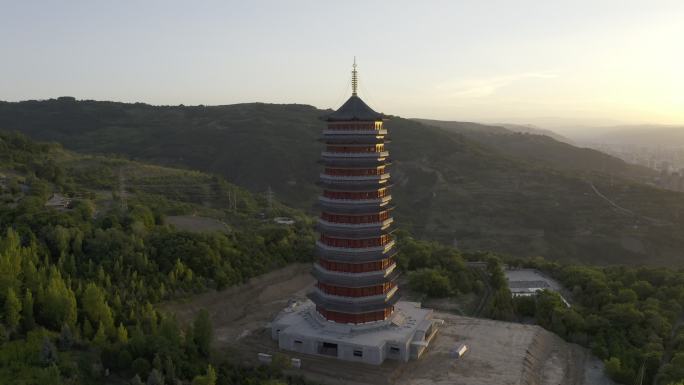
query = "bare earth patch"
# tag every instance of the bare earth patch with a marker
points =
(500, 352)
(196, 224)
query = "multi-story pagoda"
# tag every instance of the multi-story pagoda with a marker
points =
(354, 312)
(356, 271)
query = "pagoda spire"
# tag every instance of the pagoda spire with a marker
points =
(355, 78)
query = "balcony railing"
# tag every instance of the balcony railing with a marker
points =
(355, 178)
(361, 299)
(351, 226)
(379, 154)
(382, 273)
(355, 132)
(382, 248)
(384, 199)
(352, 280)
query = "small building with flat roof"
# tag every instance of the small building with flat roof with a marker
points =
(529, 282)
(58, 201)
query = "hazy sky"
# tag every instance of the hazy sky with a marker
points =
(595, 61)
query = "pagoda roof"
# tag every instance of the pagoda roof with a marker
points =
(355, 109)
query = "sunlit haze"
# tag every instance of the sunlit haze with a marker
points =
(591, 62)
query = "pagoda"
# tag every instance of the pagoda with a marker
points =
(355, 268)
(353, 311)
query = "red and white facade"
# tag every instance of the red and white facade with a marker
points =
(355, 268)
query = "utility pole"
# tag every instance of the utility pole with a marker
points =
(232, 200)
(122, 189)
(269, 197)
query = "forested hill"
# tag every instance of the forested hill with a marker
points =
(87, 250)
(448, 186)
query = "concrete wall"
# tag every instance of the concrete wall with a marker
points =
(402, 355)
(370, 354)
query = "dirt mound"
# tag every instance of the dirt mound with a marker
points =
(240, 310)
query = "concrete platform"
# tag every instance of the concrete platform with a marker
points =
(405, 336)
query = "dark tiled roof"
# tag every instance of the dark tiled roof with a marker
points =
(354, 109)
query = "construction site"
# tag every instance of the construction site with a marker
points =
(498, 352)
(345, 319)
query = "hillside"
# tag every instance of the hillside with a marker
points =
(86, 250)
(532, 129)
(448, 186)
(536, 146)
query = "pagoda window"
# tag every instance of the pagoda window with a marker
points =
(353, 126)
(365, 267)
(356, 243)
(356, 195)
(356, 149)
(355, 318)
(355, 291)
(356, 219)
(355, 171)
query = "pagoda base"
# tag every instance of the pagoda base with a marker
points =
(404, 336)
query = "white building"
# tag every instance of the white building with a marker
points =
(529, 282)
(299, 328)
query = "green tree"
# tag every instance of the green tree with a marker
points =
(157, 362)
(10, 262)
(136, 380)
(208, 379)
(58, 303)
(95, 306)
(100, 338)
(500, 305)
(58, 240)
(27, 311)
(547, 302)
(155, 378)
(12, 310)
(169, 369)
(66, 338)
(202, 331)
(141, 367)
(525, 306)
(432, 282)
(48, 352)
(88, 331)
(613, 367)
(121, 334)
(674, 370)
